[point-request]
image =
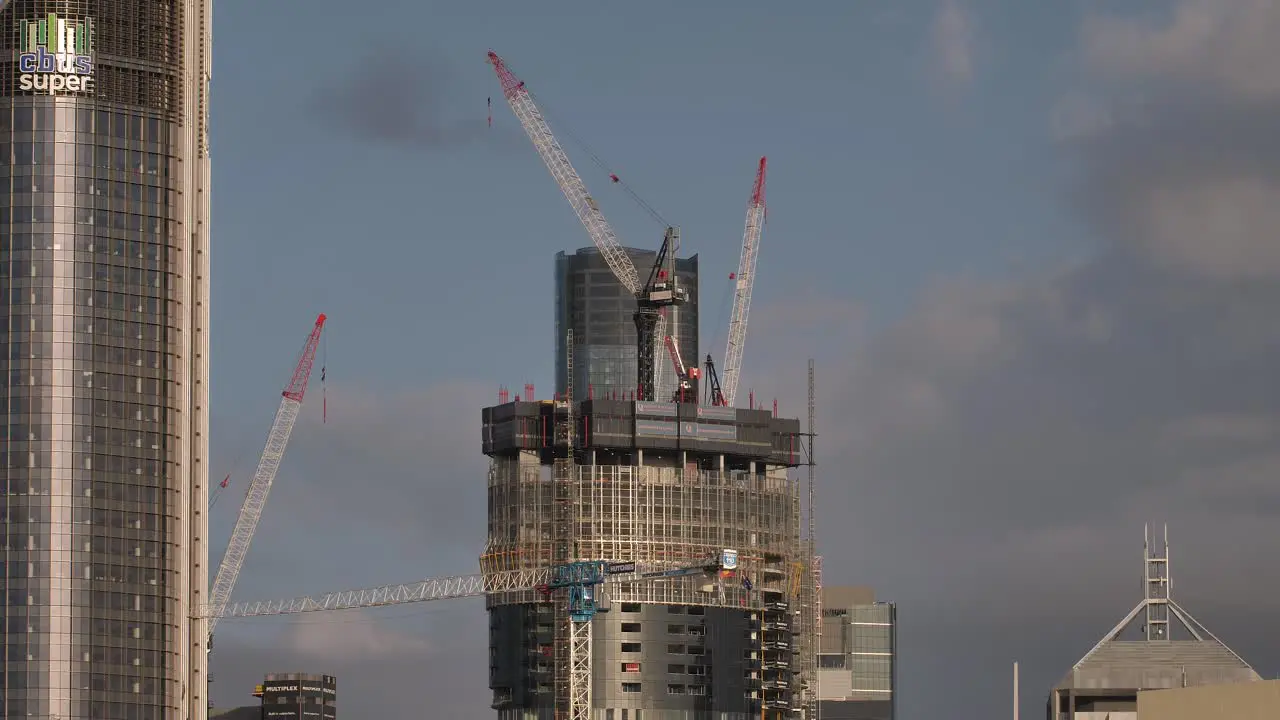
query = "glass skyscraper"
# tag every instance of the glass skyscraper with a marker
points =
(591, 301)
(104, 323)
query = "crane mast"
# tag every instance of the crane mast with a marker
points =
(268, 464)
(745, 277)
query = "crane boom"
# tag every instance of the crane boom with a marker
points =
(461, 586)
(746, 278)
(260, 486)
(575, 191)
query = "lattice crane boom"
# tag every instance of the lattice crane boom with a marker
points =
(575, 191)
(572, 576)
(268, 464)
(745, 278)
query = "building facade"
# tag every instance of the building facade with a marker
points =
(590, 301)
(296, 696)
(104, 321)
(857, 660)
(652, 483)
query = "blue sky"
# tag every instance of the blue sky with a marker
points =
(962, 230)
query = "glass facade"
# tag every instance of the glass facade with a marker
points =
(591, 301)
(103, 324)
(857, 662)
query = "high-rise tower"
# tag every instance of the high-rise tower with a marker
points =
(104, 316)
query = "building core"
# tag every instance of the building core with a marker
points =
(601, 313)
(104, 318)
(646, 482)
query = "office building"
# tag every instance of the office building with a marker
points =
(1233, 701)
(648, 482)
(297, 696)
(1157, 646)
(104, 265)
(590, 301)
(857, 660)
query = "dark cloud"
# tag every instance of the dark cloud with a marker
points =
(989, 460)
(377, 100)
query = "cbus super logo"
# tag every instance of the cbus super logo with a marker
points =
(55, 55)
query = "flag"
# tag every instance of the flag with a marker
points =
(225, 480)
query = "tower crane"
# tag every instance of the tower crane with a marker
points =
(260, 485)
(582, 581)
(662, 288)
(745, 280)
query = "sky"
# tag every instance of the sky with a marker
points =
(1030, 247)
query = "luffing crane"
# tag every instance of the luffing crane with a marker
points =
(686, 377)
(661, 290)
(260, 485)
(744, 280)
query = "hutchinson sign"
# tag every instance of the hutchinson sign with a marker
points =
(55, 55)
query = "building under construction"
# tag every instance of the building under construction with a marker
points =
(1158, 645)
(648, 482)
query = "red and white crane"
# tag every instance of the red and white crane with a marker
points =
(661, 290)
(255, 498)
(744, 281)
(686, 376)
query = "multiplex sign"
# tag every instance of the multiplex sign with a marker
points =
(55, 55)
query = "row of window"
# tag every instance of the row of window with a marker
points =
(88, 247)
(67, 155)
(100, 123)
(104, 631)
(136, 221)
(699, 630)
(672, 688)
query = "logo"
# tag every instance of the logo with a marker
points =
(55, 55)
(729, 560)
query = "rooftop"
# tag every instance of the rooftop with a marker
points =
(1171, 648)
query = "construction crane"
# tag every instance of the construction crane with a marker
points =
(662, 288)
(686, 377)
(260, 485)
(715, 395)
(581, 579)
(744, 280)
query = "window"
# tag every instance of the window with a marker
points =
(675, 649)
(630, 607)
(675, 669)
(632, 627)
(630, 647)
(630, 687)
(630, 667)
(675, 690)
(675, 629)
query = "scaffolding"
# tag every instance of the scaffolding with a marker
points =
(652, 483)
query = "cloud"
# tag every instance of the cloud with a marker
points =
(952, 45)
(403, 663)
(988, 459)
(376, 100)
(1181, 168)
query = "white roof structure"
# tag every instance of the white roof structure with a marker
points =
(1174, 650)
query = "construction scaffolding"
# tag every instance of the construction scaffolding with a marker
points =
(648, 483)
